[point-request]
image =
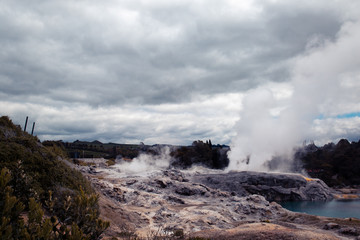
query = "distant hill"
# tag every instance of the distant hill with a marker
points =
(97, 149)
(199, 153)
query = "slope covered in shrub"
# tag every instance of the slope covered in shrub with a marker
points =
(38, 174)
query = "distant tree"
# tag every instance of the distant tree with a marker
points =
(200, 153)
(335, 164)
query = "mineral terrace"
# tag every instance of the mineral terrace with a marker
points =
(214, 205)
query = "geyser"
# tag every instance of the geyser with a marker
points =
(324, 83)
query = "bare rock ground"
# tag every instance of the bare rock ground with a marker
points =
(273, 186)
(199, 206)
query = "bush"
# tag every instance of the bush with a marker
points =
(83, 221)
(110, 162)
(34, 166)
(38, 172)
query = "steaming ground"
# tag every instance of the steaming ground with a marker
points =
(144, 164)
(149, 199)
(149, 164)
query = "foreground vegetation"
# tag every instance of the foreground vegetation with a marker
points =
(40, 196)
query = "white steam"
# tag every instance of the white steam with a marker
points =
(145, 163)
(325, 83)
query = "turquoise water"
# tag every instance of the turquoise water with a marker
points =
(335, 208)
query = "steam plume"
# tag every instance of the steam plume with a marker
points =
(325, 82)
(146, 163)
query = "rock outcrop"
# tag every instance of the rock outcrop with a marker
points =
(213, 205)
(169, 199)
(273, 186)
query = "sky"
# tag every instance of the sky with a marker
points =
(272, 72)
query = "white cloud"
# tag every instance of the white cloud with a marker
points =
(334, 129)
(209, 116)
(171, 71)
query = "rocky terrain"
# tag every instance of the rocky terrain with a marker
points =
(273, 186)
(144, 198)
(213, 205)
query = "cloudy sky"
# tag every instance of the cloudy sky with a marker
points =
(162, 71)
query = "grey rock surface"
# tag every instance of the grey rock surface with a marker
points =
(273, 186)
(169, 198)
(212, 202)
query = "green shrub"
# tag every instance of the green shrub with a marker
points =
(10, 209)
(110, 162)
(83, 223)
(39, 167)
(38, 172)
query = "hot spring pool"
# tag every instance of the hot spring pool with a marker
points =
(334, 208)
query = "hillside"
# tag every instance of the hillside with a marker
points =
(41, 197)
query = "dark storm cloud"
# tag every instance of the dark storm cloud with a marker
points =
(108, 61)
(135, 52)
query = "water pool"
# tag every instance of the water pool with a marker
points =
(335, 208)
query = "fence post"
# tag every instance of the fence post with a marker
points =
(32, 131)
(26, 123)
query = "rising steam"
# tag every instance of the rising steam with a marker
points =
(146, 163)
(325, 82)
